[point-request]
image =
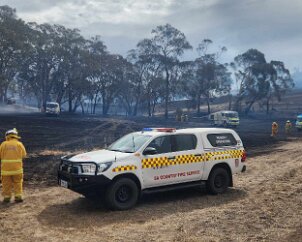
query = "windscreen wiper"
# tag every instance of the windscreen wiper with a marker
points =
(115, 150)
(127, 151)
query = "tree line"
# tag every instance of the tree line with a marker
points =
(54, 63)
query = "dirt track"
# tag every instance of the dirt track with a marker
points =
(265, 203)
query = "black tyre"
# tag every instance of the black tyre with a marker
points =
(122, 194)
(219, 181)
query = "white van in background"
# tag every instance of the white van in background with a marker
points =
(52, 108)
(225, 118)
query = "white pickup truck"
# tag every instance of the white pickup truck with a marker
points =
(155, 159)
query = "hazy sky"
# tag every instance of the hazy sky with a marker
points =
(272, 26)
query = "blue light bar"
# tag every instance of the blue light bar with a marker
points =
(147, 129)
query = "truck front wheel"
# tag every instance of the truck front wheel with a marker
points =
(122, 194)
(218, 181)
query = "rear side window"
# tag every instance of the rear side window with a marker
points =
(184, 142)
(225, 139)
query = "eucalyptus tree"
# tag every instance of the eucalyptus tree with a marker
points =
(13, 40)
(109, 80)
(129, 87)
(38, 61)
(242, 66)
(259, 80)
(52, 66)
(206, 77)
(281, 83)
(146, 67)
(70, 69)
(170, 44)
(95, 58)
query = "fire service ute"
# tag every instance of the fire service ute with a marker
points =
(153, 160)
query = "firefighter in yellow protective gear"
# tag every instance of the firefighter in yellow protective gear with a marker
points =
(288, 127)
(12, 152)
(274, 129)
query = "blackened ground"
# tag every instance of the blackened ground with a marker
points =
(265, 203)
(49, 138)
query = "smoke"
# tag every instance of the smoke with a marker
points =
(17, 108)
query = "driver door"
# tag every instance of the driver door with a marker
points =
(178, 159)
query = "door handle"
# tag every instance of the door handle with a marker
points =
(171, 158)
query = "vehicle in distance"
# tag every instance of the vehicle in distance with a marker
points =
(299, 122)
(10, 101)
(155, 159)
(52, 108)
(225, 118)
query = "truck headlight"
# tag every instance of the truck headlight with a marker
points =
(89, 168)
(104, 167)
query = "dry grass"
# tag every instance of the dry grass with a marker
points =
(264, 205)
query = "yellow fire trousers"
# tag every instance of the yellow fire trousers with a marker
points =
(12, 184)
(274, 132)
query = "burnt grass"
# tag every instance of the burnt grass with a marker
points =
(48, 138)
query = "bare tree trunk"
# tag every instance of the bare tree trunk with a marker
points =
(149, 106)
(138, 98)
(91, 106)
(237, 105)
(104, 105)
(153, 107)
(94, 104)
(82, 107)
(267, 105)
(76, 104)
(198, 103)
(167, 94)
(208, 103)
(230, 101)
(60, 96)
(69, 101)
(5, 93)
(248, 108)
(106, 109)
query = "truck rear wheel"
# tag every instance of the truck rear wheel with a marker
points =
(218, 181)
(122, 194)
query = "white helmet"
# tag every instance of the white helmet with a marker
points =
(12, 133)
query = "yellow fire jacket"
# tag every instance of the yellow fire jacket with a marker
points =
(288, 126)
(12, 152)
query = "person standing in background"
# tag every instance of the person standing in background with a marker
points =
(288, 127)
(274, 129)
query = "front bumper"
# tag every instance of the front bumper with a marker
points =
(52, 112)
(232, 123)
(83, 184)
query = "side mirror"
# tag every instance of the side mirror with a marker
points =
(150, 151)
